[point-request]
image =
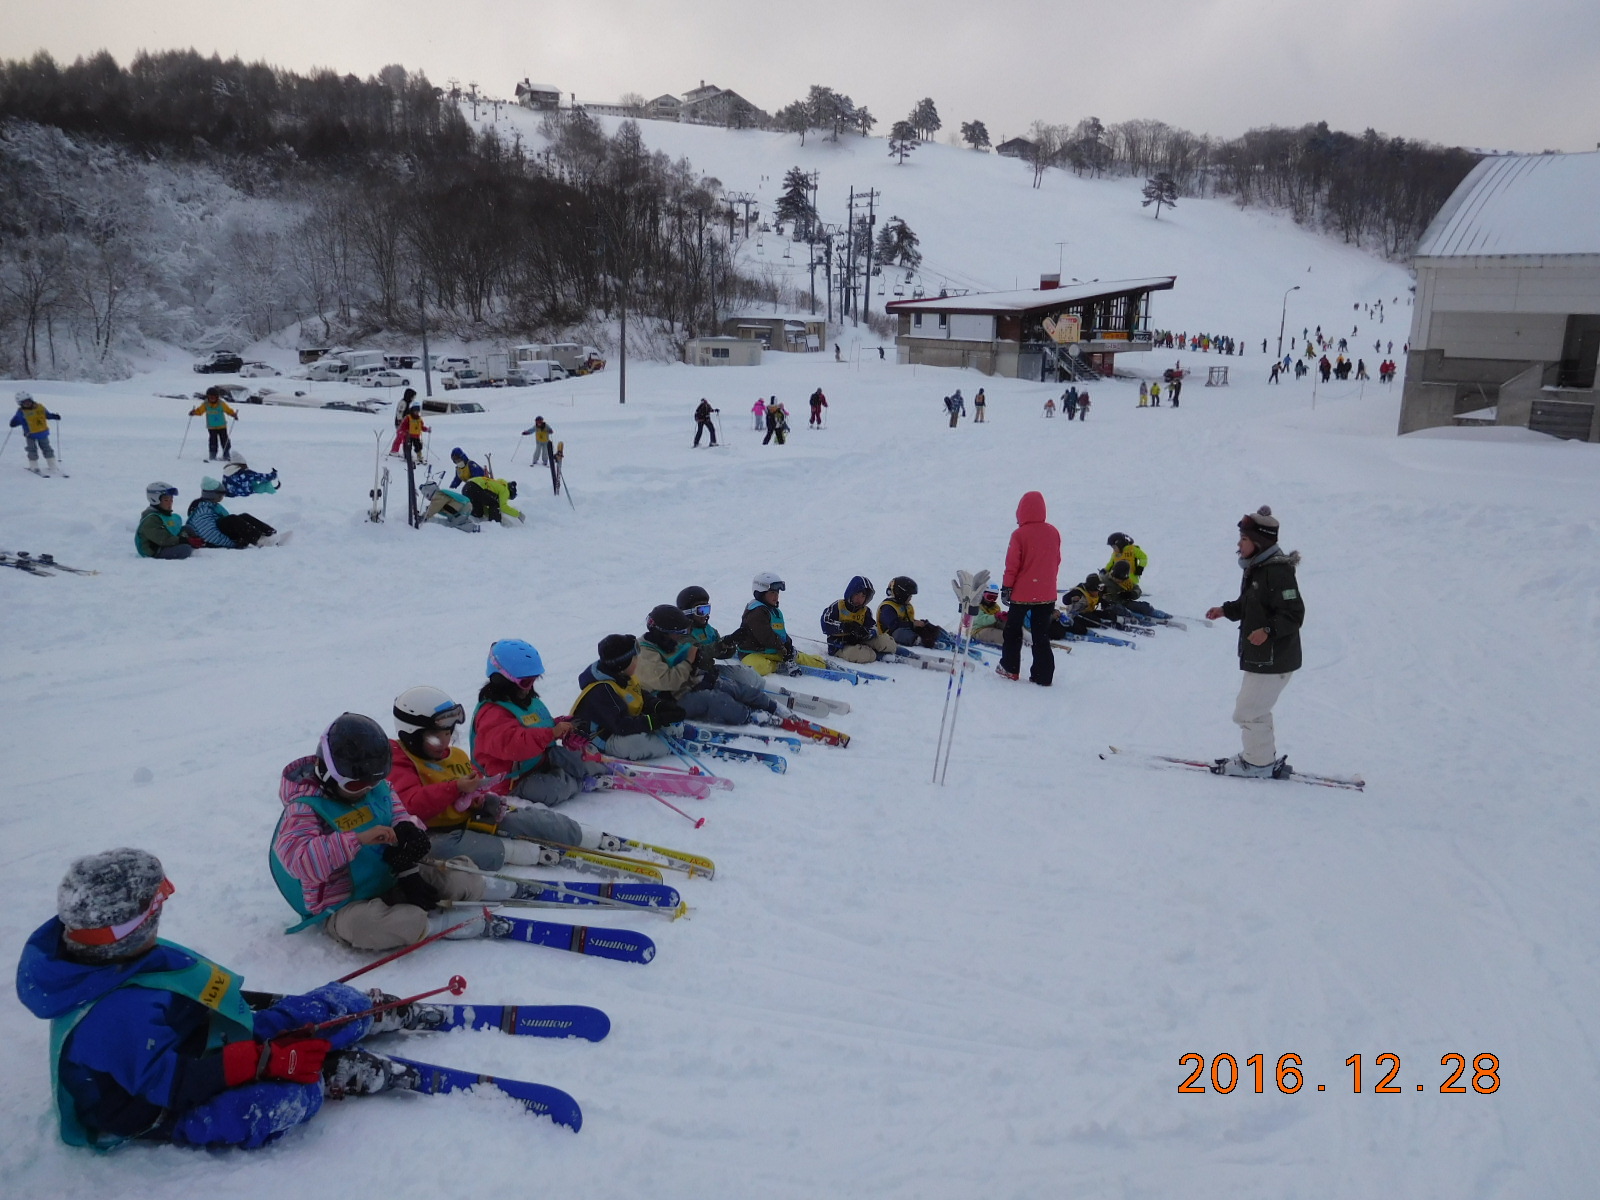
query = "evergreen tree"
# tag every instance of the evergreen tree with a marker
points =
(902, 140)
(975, 134)
(925, 118)
(865, 120)
(794, 205)
(897, 244)
(794, 117)
(1158, 190)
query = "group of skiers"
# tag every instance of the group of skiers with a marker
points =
(1204, 343)
(766, 413)
(1074, 402)
(162, 533)
(1150, 393)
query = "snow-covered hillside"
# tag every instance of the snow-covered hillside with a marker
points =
(892, 989)
(985, 227)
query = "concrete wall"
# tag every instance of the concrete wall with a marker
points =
(1518, 337)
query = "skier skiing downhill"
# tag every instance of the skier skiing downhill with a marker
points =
(513, 734)
(216, 411)
(348, 856)
(34, 420)
(541, 431)
(1269, 611)
(152, 1041)
(1028, 589)
(440, 785)
(818, 403)
(850, 628)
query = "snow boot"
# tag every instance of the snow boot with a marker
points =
(1005, 674)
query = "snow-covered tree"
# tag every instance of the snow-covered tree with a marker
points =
(897, 244)
(925, 118)
(975, 134)
(1160, 189)
(902, 140)
(794, 204)
(794, 117)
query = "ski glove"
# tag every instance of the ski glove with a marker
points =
(1005, 596)
(414, 889)
(788, 651)
(322, 1004)
(410, 848)
(668, 712)
(298, 1061)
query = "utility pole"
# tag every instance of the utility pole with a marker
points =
(1283, 315)
(848, 294)
(422, 315)
(866, 279)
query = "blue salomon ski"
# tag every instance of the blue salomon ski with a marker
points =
(622, 944)
(520, 1020)
(538, 1098)
(775, 762)
(654, 895)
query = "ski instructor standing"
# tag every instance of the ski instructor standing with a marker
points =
(1270, 612)
(1029, 591)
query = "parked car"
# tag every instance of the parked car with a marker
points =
(451, 406)
(384, 379)
(364, 406)
(402, 362)
(258, 370)
(219, 362)
(464, 378)
(443, 362)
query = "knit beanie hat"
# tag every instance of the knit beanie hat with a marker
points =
(616, 652)
(1261, 527)
(109, 903)
(210, 487)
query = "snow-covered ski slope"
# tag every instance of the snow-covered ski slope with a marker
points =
(890, 989)
(984, 227)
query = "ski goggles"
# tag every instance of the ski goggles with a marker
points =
(105, 935)
(348, 783)
(699, 610)
(522, 681)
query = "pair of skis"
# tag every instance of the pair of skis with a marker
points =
(379, 494)
(692, 749)
(1214, 767)
(44, 564)
(803, 702)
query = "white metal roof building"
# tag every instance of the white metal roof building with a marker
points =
(1507, 313)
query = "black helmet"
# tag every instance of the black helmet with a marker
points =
(354, 752)
(1118, 540)
(693, 596)
(664, 618)
(902, 588)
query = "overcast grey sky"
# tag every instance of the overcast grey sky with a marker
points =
(1504, 74)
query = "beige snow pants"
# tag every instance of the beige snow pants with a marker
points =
(375, 925)
(1252, 713)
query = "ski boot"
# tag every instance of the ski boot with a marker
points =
(356, 1072)
(1238, 767)
(1005, 674)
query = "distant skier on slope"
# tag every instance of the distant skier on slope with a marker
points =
(1269, 611)
(702, 421)
(34, 420)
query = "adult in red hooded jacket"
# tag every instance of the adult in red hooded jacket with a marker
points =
(1029, 589)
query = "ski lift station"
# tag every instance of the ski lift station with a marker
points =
(796, 333)
(1506, 323)
(1051, 333)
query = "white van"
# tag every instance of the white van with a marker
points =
(356, 359)
(328, 369)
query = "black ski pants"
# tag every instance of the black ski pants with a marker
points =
(220, 442)
(244, 530)
(1039, 617)
(705, 427)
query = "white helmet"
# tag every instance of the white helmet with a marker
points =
(24, 397)
(158, 489)
(425, 709)
(767, 581)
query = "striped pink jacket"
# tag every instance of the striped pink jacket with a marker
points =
(315, 854)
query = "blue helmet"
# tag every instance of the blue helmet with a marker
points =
(514, 659)
(860, 583)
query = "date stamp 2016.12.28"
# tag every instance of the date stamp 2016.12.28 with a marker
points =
(1288, 1075)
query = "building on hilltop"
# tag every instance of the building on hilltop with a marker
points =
(1017, 147)
(1507, 311)
(704, 105)
(1048, 334)
(538, 96)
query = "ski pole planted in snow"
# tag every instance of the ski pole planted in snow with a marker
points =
(969, 594)
(185, 441)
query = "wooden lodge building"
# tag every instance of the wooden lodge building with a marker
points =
(1050, 334)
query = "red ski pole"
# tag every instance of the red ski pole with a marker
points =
(401, 953)
(455, 987)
